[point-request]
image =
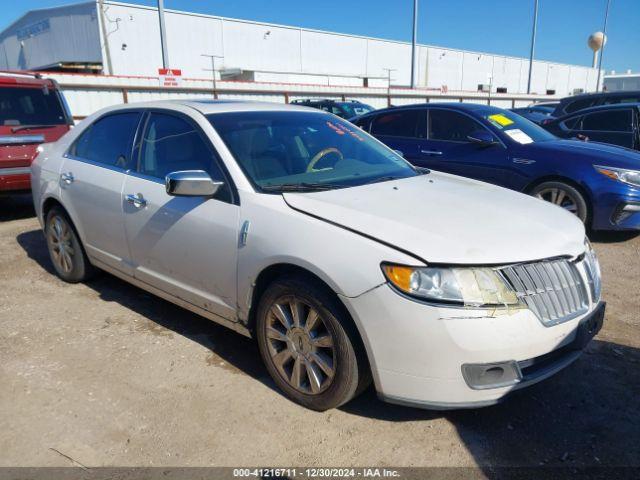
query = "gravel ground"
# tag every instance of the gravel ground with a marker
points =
(109, 375)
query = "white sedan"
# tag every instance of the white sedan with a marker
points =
(345, 263)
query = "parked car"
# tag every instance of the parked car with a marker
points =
(598, 183)
(345, 262)
(580, 102)
(615, 124)
(32, 111)
(536, 114)
(347, 109)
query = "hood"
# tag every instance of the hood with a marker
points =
(442, 218)
(597, 153)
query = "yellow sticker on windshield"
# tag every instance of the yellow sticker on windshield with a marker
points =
(500, 119)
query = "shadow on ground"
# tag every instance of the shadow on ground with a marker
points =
(586, 416)
(16, 207)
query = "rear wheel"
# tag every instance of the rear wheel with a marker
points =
(563, 195)
(308, 344)
(67, 255)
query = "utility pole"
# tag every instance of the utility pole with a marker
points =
(213, 71)
(103, 28)
(413, 44)
(533, 44)
(163, 35)
(604, 41)
(389, 70)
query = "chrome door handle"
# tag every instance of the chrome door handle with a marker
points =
(67, 178)
(137, 200)
(430, 152)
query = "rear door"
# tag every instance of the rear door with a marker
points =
(91, 179)
(448, 149)
(185, 246)
(613, 126)
(402, 130)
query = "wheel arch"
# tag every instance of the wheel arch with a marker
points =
(53, 201)
(583, 189)
(278, 270)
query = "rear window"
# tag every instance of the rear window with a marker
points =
(30, 106)
(579, 105)
(402, 123)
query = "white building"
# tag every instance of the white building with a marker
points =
(617, 82)
(124, 39)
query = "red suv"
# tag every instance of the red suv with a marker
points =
(32, 111)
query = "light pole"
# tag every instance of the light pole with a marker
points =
(533, 44)
(389, 70)
(604, 36)
(163, 35)
(413, 44)
(213, 70)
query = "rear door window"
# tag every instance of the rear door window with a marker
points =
(31, 106)
(609, 121)
(451, 126)
(109, 140)
(399, 123)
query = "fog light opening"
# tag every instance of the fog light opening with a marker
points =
(491, 375)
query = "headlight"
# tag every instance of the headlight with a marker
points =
(593, 271)
(473, 287)
(632, 177)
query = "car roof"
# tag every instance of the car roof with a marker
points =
(459, 106)
(8, 78)
(597, 108)
(620, 93)
(207, 107)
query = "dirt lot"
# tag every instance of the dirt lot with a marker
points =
(109, 375)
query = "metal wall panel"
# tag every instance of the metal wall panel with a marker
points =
(477, 69)
(41, 38)
(333, 54)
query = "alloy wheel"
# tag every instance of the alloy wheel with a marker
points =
(559, 197)
(59, 235)
(300, 345)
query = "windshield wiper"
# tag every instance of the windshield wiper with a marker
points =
(29, 127)
(300, 187)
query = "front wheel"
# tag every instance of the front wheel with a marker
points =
(308, 344)
(564, 196)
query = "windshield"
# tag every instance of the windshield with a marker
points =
(516, 128)
(306, 150)
(30, 106)
(353, 109)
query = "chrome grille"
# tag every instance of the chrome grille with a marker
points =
(552, 289)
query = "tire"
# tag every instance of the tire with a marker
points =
(565, 196)
(318, 360)
(65, 249)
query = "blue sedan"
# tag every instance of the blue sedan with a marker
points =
(598, 183)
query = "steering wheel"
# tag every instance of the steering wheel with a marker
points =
(318, 156)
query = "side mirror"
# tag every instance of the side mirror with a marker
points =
(191, 183)
(482, 137)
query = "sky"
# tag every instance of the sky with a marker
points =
(492, 26)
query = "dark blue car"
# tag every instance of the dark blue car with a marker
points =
(599, 183)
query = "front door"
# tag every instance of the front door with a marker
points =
(91, 179)
(185, 246)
